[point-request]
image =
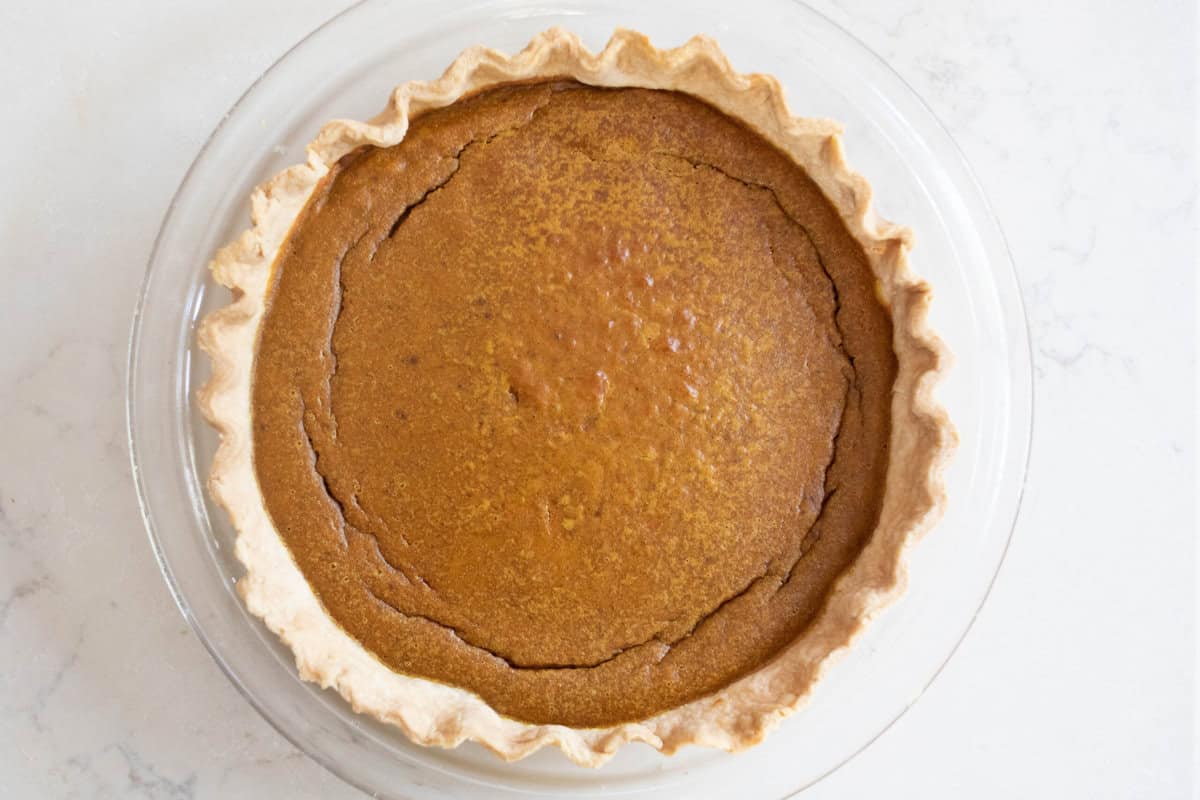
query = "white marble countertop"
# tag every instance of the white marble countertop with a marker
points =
(1079, 678)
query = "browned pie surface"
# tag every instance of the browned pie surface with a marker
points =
(576, 398)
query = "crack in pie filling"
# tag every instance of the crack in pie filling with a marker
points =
(576, 405)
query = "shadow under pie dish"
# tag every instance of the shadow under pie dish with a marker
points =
(576, 399)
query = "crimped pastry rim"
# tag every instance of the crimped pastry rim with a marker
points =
(430, 713)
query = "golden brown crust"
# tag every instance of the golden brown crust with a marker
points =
(432, 713)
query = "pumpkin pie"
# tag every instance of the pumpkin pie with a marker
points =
(576, 399)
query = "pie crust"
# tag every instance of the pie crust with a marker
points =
(431, 713)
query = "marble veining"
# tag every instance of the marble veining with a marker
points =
(1079, 676)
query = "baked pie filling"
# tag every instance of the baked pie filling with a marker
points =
(576, 398)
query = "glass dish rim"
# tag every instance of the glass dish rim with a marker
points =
(132, 373)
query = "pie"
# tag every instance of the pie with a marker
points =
(576, 399)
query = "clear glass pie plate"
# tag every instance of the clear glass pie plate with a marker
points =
(347, 69)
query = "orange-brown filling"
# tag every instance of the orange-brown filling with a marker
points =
(576, 398)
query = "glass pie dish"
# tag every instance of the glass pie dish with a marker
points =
(346, 69)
